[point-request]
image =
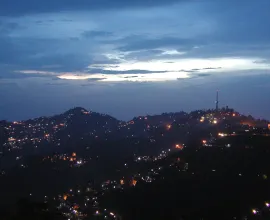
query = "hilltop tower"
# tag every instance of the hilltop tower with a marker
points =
(217, 101)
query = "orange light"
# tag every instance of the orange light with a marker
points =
(75, 207)
(178, 146)
(204, 141)
(122, 182)
(233, 114)
(169, 126)
(73, 154)
(134, 182)
(11, 139)
(65, 197)
(269, 126)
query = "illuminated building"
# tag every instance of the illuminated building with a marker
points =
(75, 207)
(254, 211)
(222, 134)
(178, 146)
(11, 139)
(133, 182)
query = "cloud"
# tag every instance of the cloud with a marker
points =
(153, 77)
(138, 44)
(215, 64)
(134, 40)
(92, 34)
(56, 84)
(203, 74)
(17, 7)
(6, 28)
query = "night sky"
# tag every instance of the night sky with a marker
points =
(137, 57)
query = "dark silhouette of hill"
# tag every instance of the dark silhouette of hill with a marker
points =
(220, 183)
(3, 133)
(26, 209)
(219, 179)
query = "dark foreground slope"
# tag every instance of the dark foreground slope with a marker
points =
(220, 183)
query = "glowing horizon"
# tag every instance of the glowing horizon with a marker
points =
(158, 70)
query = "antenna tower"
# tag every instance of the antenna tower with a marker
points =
(217, 101)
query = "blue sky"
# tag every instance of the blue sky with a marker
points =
(128, 58)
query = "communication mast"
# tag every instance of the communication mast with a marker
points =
(217, 101)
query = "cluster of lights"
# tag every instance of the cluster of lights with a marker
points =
(257, 211)
(222, 134)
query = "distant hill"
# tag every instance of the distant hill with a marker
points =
(80, 124)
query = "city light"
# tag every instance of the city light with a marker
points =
(133, 182)
(222, 134)
(65, 197)
(145, 167)
(254, 211)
